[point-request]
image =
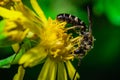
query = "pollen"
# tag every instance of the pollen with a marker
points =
(56, 41)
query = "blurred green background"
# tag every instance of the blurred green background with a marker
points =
(102, 62)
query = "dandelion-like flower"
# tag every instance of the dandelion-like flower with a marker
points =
(54, 45)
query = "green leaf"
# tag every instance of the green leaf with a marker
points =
(5, 63)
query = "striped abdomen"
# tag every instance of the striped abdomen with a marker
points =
(72, 20)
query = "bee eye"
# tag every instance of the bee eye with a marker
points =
(1, 18)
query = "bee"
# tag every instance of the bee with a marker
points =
(88, 39)
(70, 19)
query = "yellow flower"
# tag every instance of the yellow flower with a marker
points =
(20, 74)
(8, 3)
(17, 24)
(55, 46)
(13, 30)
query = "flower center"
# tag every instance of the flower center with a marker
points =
(57, 41)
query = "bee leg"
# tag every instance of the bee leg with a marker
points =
(78, 65)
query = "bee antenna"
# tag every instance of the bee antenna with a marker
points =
(89, 19)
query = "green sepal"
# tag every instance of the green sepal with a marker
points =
(7, 62)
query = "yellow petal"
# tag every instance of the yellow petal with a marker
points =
(15, 47)
(33, 18)
(48, 71)
(71, 70)
(38, 10)
(52, 71)
(25, 10)
(62, 75)
(20, 74)
(12, 15)
(33, 57)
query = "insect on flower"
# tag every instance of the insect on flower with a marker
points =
(86, 43)
(57, 42)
